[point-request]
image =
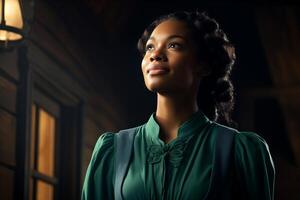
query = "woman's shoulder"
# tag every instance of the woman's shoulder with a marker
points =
(250, 140)
(104, 145)
(246, 142)
(252, 149)
(106, 140)
(245, 138)
(254, 165)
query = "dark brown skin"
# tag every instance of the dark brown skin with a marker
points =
(176, 78)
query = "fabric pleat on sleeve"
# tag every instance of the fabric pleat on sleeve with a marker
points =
(254, 167)
(98, 180)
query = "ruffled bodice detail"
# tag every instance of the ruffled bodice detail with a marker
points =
(172, 153)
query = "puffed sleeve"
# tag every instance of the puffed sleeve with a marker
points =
(98, 179)
(254, 167)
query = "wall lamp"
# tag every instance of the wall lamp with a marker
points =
(11, 23)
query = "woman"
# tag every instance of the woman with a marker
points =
(187, 60)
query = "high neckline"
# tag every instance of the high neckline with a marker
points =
(187, 128)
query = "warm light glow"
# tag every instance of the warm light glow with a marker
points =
(44, 191)
(43, 128)
(33, 127)
(13, 18)
(46, 143)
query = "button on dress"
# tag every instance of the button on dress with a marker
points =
(182, 168)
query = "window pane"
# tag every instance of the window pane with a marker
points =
(44, 191)
(46, 143)
(32, 143)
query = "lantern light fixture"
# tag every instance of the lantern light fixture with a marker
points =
(11, 22)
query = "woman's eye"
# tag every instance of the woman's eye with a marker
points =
(174, 46)
(149, 47)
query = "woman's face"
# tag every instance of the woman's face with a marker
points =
(170, 64)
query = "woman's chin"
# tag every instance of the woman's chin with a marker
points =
(156, 88)
(159, 88)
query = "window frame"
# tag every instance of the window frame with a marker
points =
(69, 117)
(41, 101)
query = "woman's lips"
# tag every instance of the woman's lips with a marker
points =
(157, 70)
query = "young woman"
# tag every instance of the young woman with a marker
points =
(187, 60)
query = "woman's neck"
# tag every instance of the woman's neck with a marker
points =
(172, 111)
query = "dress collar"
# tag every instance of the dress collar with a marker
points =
(190, 126)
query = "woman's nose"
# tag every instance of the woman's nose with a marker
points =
(157, 56)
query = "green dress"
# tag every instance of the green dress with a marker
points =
(182, 168)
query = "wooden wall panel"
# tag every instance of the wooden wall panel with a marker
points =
(8, 63)
(6, 183)
(7, 95)
(93, 131)
(7, 138)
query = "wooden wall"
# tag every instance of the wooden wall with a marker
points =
(51, 63)
(9, 79)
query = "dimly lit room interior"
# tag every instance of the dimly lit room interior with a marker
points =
(75, 74)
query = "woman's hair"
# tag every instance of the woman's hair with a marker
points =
(216, 92)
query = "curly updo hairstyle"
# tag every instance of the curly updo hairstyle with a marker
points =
(216, 92)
